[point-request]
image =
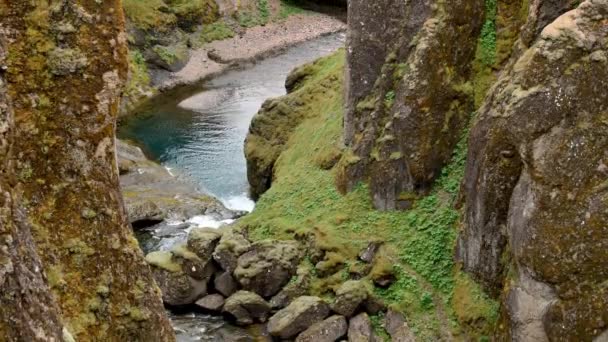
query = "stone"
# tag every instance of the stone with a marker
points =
(360, 329)
(212, 302)
(231, 246)
(268, 266)
(367, 255)
(202, 241)
(373, 305)
(397, 327)
(294, 289)
(225, 284)
(247, 308)
(349, 297)
(329, 330)
(297, 317)
(177, 287)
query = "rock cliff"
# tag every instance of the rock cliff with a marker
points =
(535, 219)
(63, 67)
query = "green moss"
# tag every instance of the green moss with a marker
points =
(303, 199)
(171, 54)
(389, 99)
(216, 31)
(139, 77)
(148, 14)
(290, 7)
(163, 260)
(473, 309)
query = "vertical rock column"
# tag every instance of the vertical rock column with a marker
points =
(64, 70)
(28, 310)
(408, 100)
(535, 184)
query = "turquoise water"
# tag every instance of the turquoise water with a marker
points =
(204, 141)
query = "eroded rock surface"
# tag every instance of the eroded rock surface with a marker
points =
(299, 315)
(535, 182)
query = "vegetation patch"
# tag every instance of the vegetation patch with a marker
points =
(217, 31)
(303, 200)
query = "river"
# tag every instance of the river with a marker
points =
(199, 132)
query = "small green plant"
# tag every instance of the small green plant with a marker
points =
(389, 99)
(216, 31)
(264, 11)
(290, 7)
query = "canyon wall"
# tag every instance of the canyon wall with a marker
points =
(407, 100)
(64, 226)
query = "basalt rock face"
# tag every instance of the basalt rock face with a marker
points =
(535, 188)
(29, 312)
(407, 98)
(64, 70)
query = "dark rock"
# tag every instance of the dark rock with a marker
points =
(292, 290)
(268, 266)
(225, 284)
(373, 305)
(367, 255)
(328, 330)
(260, 332)
(349, 297)
(397, 327)
(297, 317)
(231, 246)
(202, 241)
(213, 302)
(247, 308)
(360, 329)
(177, 287)
(385, 280)
(394, 50)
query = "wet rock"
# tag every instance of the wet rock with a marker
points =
(203, 241)
(268, 266)
(328, 330)
(367, 255)
(231, 246)
(260, 333)
(152, 194)
(349, 297)
(197, 268)
(177, 287)
(297, 317)
(236, 335)
(360, 329)
(247, 308)
(294, 289)
(225, 284)
(212, 302)
(397, 327)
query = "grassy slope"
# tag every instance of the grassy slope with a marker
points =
(303, 199)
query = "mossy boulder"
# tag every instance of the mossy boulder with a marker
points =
(297, 317)
(247, 308)
(231, 246)
(268, 266)
(181, 276)
(349, 297)
(329, 330)
(202, 241)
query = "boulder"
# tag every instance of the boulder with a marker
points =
(294, 289)
(212, 302)
(349, 297)
(247, 308)
(397, 327)
(225, 284)
(268, 266)
(177, 287)
(231, 246)
(360, 329)
(202, 241)
(367, 255)
(197, 268)
(328, 330)
(373, 305)
(297, 317)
